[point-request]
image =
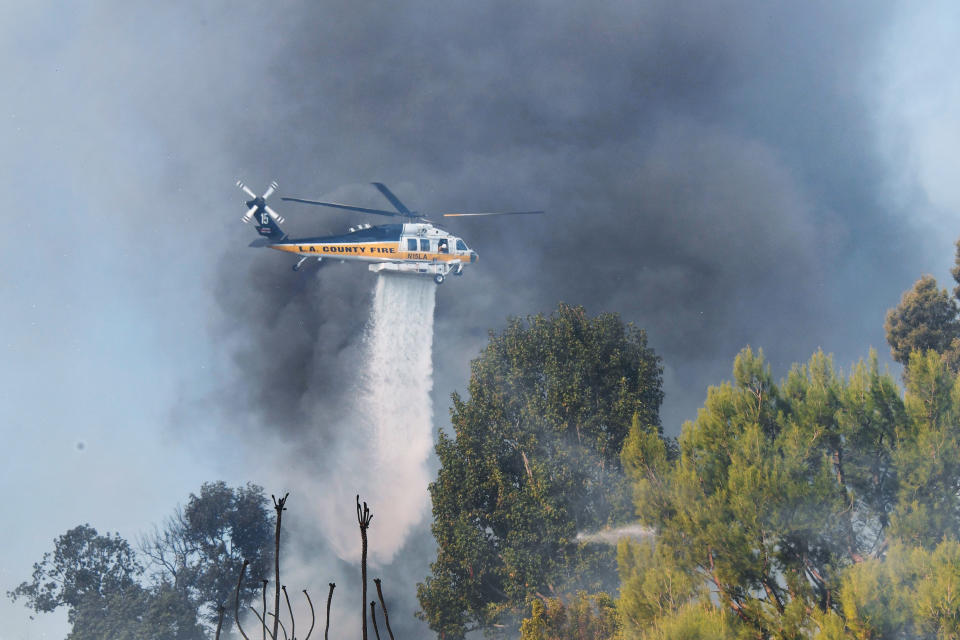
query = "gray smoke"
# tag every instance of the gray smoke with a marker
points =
(708, 170)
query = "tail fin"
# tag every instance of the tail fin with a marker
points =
(267, 220)
(269, 229)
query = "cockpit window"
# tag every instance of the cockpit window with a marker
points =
(460, 245)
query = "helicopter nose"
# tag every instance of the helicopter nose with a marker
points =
(473, 256)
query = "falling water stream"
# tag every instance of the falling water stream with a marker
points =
(389, 426)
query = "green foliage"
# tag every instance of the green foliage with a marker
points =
(874, 602)
(777, 489)
(701, 621)
(157, 613)
(534, 461)
(912, 593)
(928, 507)
(195, 560)
(95, 577)
(586, 617)
(926, 318)
(653, 584)
(202, 547)
(84, 566)
(823, 506)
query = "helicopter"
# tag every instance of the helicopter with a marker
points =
(415, 246)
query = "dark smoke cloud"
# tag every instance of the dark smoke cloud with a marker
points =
(709, 170)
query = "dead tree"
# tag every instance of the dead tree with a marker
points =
(313, 618)
(278, 626)
(278, 505)
(373, 618)
(363, 518)
(383, 605)
(293, 622)
(263, 626)
(326, 631)
(236, 602)
(219, 621)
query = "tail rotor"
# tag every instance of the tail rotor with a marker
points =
(257, 204)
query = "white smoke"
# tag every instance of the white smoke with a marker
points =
(613, 536)
(385, 434)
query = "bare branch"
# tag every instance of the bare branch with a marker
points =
(383, 605)
(326, 631)
(236, 604)
(263, 623)
(313, 618)
(293, 623)
(219, 622)
(373, 618)
(282, 628)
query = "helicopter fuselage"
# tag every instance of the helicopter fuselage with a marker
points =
(417, 247)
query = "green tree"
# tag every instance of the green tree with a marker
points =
(926, 318)
(138, 613)
(200, 549)
(84, 566)
(928, 506)
(194, 559)
(95, 577)
(534, 461)
(777, 489)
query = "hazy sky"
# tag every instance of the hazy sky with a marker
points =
(720, 173)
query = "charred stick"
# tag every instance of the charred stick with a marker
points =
(236, 603)
(219, 621)
(313, 618)
(373, 618)
(383, 605)
(326, 631)
(293, 623)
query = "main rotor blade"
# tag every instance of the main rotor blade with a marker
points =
(492, 213)
(394, 200)
(337, 205)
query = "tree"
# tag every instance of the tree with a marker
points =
(926, 318)
(535, 461)
(138, 613)
(202, 546)
(95, 577)
(823, 506)
(194, 561)
(777, 489)
(84, 566)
